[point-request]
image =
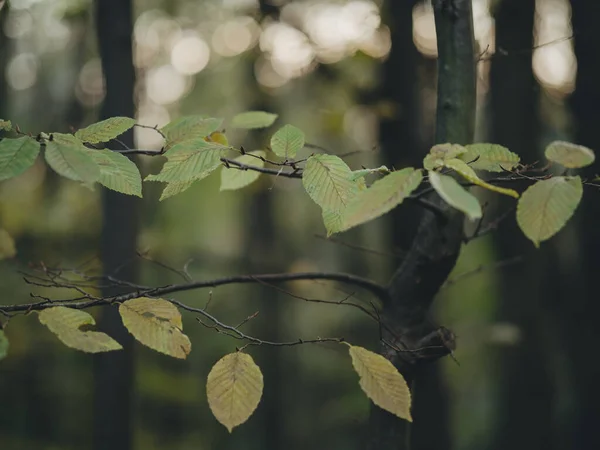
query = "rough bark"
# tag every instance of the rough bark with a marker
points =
(113, 371)
(438, 239)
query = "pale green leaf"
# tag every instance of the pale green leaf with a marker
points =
(253, 119)
(326, 179)
(569, 155)
(156, 323)
(440, 153)
(357, 174)
(234, 388)
(490, 157)
(189, 161)
(3, 344)
(381, 197)
(175, 188)
(65, 323)
(105, 130)
(469, 174)
(5, 125)
(546, 206)
(70, 158)
(287, 141)
(382, 382)
(117, 172)
(455, 195)
(333, 221)
(189, 128)
(7, 245)
(17, 155)
(233, 178)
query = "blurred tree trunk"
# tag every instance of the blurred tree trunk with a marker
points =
(114, 371)
(525, 396)
(402, 147)
(579, 311)
(4, 55)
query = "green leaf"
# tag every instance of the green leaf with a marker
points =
(382, 382)
(7, 245)
(17, 155)
(105, 130)
(65, 323)
(3, 344)
(68, 157)
(234, 388)
(253, 119)
(440, 153)
(383, 195)
(233, 178)
(490, 157)
(5, 125)
(287, 141)
(357, 174)
(156, 323)
(189, 128)
(469, 174)
(455, 195)
(175, 188)
(546, 206)
(117, 172)
(326, 179)
(189, 161)
(569, 155)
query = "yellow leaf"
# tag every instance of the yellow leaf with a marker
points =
(466, 172)
(234, 388)
(65, 323)
(382, 382)
(156, 323)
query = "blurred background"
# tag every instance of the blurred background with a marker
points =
(358, 76)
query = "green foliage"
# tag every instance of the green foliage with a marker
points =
(569, 155)
(441, 153)
(66, 324)
(3, 345)
(156, 323)
(117, 172)
(234, 388)
(233, 178)
(469, 174)
(253, 119)
(382, 382)
(5, 125)
(175, 188)
(490, 157)
(455, 195)
(17, 155)
(287, 141)
(105, 130)
(189, 128)
(546, 206)
(358, 174)
(70, 158)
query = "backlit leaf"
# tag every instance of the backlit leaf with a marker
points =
(381, 197)
(3, 344)
(117, 172)
(175, 188)
(469, 174)
(105, 130)
(190, 128)
(7, 245)
(490, 157)
(65, 323)
(233, 178)
(546, 206)
(287, 141)
(189, 161)
(440, 153)
(68, 157)
(17, 155)
(234, 388)
(253, 119)
(156, 323)
(569, 155)
(326, 179)
(382, 382)
(455, 195)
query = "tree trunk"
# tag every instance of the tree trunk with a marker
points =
(114, 371)
(438, 239)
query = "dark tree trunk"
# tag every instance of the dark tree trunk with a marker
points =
(525, 389)
(579, 313)
(114, 371)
